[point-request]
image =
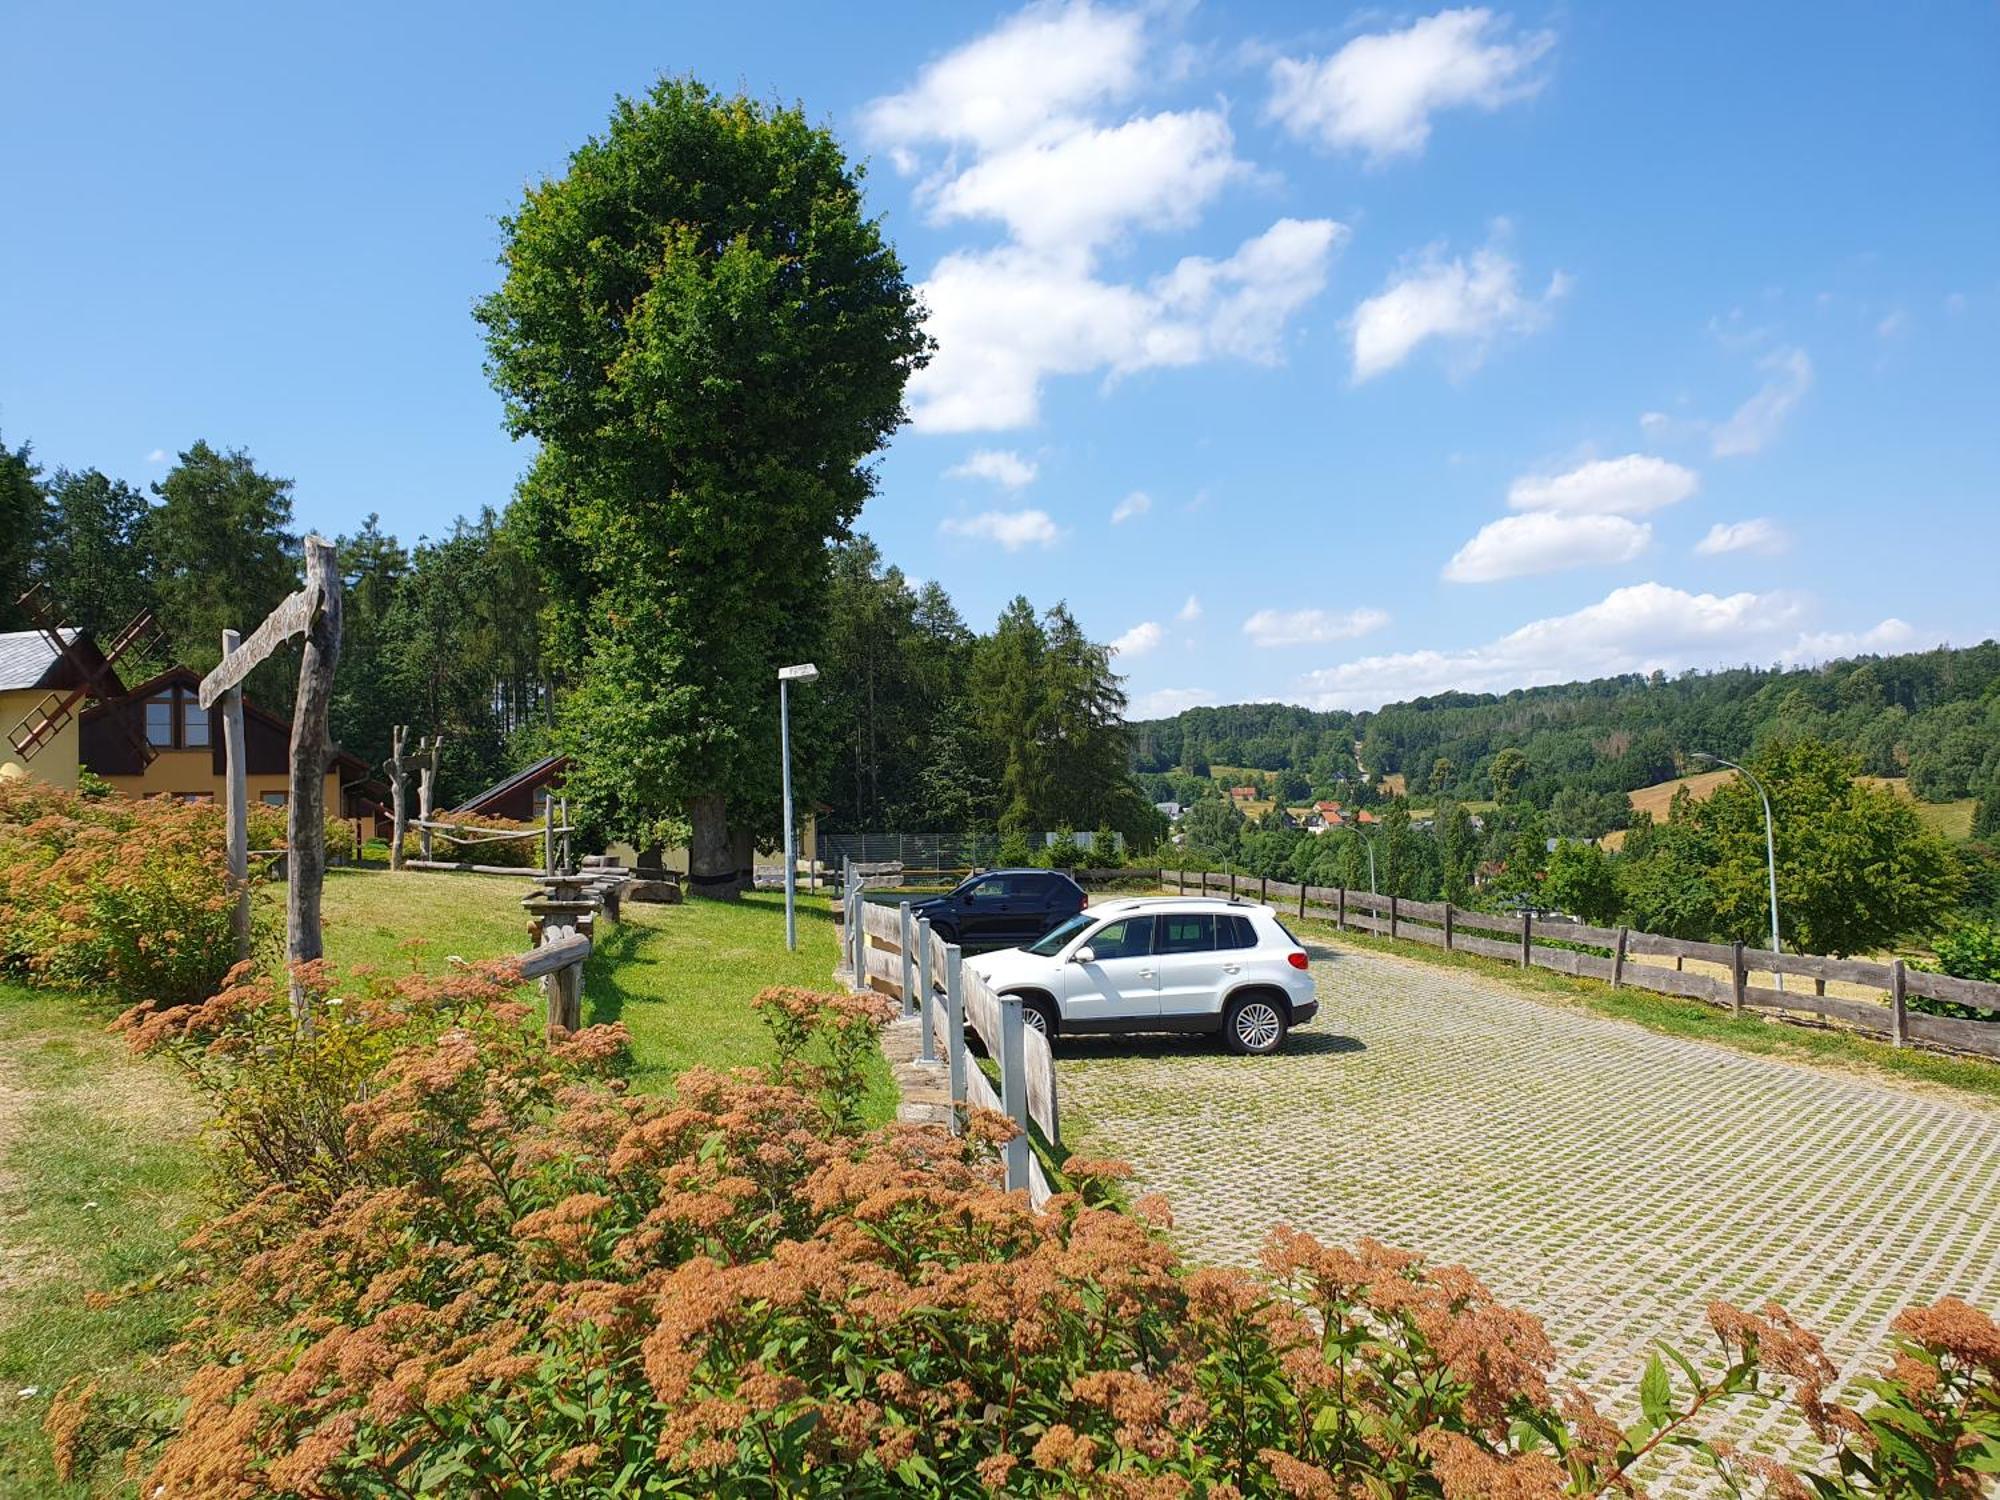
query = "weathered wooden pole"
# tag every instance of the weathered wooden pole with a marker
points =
(1527, 938)
(1737, 977)
(396, 738)
(312, 749)
(237, 838)
(427, 789)
(1618, 958)
(548, 835)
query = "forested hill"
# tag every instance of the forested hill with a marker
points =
(1931, 715)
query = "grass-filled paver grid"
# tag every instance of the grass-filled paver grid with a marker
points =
(1610, 1179)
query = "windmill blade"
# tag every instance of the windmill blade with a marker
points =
(44, 722)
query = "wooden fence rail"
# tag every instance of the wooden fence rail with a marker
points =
(887, 950)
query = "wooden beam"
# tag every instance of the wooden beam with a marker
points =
(237, 797)
(293, 616)
(312, 749)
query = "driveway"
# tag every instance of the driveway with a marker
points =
(1608, 1179)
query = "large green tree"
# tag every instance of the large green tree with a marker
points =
(20, 529)
(94, 554)
(709, 337)
(223, 555)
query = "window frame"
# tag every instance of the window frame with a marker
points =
(1160, 928)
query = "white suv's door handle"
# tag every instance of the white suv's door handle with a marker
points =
(1232, 968)
(1145, 973)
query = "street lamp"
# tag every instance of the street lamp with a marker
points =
(804, 672)
(1369, 840)
(1770, 847)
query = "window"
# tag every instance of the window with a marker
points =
(160, 721)
(273, 799)
(194, 723)
(195, 797)
(993, 889)
(1131, 938)
(1234, 932)
(1057, 940)
(1187, 932)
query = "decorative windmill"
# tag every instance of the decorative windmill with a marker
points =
(90, 678)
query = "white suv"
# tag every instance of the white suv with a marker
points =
(1162, 964)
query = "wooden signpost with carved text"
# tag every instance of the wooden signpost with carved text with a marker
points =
(313, 612)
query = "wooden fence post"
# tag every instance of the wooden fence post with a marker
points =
(927, 1024)
(1392, 918)
(1618, 958)
(548, 835)
(1340, 909)
(1014, 1089)
(1527, 938)
(1447, 927)
(398, 796)
(1736, 978)
(907, 943)
(1264, 888)
(1302, 900)
(954, 1030)
(1899, 1013)
(1180, 882)
(1232, 885)
(238, 828)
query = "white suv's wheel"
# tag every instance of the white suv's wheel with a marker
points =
(1038, 1015)
(1254, 1025)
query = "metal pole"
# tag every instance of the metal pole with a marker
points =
(1770, 849)
(954, 1028)
(927, 1027)
(791, 850)
(1014, 1090)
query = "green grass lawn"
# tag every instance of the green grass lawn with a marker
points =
(100, 1179)
(101, 1170)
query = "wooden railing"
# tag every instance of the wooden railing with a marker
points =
(1573, 948)
(888, 950)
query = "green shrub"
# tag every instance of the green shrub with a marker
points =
(113, 894)
(1971, 950)
(503, 1275)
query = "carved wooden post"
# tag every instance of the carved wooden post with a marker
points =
(238, 796)
(311, 750)
(396, 738)
(427, 790)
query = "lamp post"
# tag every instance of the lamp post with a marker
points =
(1369, 840)
(1770, 846)
(805, 672)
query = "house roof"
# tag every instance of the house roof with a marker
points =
(534, 775)
(350, 766)
(28, 658)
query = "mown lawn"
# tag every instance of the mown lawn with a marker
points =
(102, 1175)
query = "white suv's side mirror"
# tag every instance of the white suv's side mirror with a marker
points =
(1083, 955)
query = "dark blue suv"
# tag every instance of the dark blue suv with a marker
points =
(1002, 908)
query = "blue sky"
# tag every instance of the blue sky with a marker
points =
(1328, 355)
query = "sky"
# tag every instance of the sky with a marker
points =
(1336, 356)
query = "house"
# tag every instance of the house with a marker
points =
(34, 677)
(165, 713)
(1171, 811)
(1243, 793)
(522, 796)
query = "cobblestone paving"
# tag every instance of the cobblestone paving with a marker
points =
(1608, 1179)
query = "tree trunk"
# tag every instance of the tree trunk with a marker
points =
(711, 861)
(311, 750)
(743, 853)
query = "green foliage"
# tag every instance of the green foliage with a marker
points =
(1211, 829)
(1014, 852)
(95, 555)
(1065, 853)
(1581, 881)
(21, 507)
(113, 894)
(708, 338)
(1507, 770)
(1971, 950)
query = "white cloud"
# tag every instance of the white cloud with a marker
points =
(1654, 423)
(1137, 641)
(1641, 628)
(1048, 60)
(1473, 301)
(1760, 534)
(1000, 465)
(1546, 542)
(158, 456)
(1164, 703)
(1894, 326)
(1074, 185)
(1190, 611)
(1828, 645)
(1756, 421)
(1132, 506)
(1377, 94)
(1012, 529)
(1300, 627)
(1630, 486)
(1007, 319)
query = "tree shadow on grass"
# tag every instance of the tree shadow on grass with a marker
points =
(614, 952)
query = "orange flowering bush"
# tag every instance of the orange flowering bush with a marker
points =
(503, 1275)
(109, 893)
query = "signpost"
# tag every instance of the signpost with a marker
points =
(313, 612)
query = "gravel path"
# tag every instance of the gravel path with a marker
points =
(1608, 1179)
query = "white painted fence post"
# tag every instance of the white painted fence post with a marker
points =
(954, 1029)
(1014, 1089)
(927, 1028)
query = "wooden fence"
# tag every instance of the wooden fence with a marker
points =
(1608, 953)
(887, 950)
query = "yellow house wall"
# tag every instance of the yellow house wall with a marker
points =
(180, 772)
(57, 761)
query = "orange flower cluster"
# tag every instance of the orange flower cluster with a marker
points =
(502, 1274)
(108, 893)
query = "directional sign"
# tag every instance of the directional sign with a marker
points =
(292, 617)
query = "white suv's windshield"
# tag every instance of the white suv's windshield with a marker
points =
(1052, 944)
